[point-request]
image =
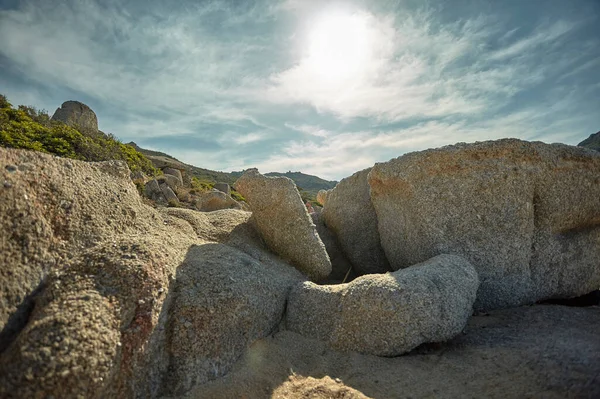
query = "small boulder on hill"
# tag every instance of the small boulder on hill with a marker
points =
(388, 314)
(76, 114)
(525, 214)
(284, 223)
(322, 196)
(215, 200)
(349, 214)
(174, 172)
(223, 187)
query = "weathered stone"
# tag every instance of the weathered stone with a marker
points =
(176, 173)
(322, 196)
(526, 215)
(341, 268)
(172, 181)
(224, 187)
(80, 249)
(76, 114)
(169, 194)
(350, 215)
(388, 314)
(152, 190)
(283, 222)
(215, 200)
(224, 301)
(536, 351)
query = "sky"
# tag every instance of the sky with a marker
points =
(323, 87)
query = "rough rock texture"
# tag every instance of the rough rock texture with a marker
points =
(322, 196)
(221, 294)
(528, 352)
(215, 200)
(284, 223)
(224, 187)
(341, 268)
(76, 114)
(526, 215)
(350, 215)
(169, 194)
(388, 314)
(172, 181)
(297, 387)
(592, 142)
(84, 277)
(152, 190)
(174, 172)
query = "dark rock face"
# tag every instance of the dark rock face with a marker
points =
(526, 215)
(592, 142)
(76, 114)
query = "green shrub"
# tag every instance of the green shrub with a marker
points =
(201, 186)
(237, 196)
(32, 129)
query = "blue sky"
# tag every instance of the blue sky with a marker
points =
(326, 88)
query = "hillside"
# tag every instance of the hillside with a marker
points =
(592, 142)
(28, 128)
(309, 185)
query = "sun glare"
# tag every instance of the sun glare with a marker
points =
(339, 47)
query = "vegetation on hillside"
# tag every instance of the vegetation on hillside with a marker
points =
(28, 128)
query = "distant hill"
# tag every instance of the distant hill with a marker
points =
(592, 142)
(309, 184)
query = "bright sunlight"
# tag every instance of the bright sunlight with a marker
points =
(339, 46)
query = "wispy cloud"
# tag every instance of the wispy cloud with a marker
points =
(231, 85)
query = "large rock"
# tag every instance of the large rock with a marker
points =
(526, 215)
(224, 300)
(85, 274)
(152, 190)
(172, 181)
(215, 200)
(176, 173)
(169, 194)
(349, 214)
(224, 187)
(388, 314)
(526, 352)
(284, 223)
(76, 114)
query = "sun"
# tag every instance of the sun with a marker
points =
(339, 46)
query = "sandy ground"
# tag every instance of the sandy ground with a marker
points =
(538, 351)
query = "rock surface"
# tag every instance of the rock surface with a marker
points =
(283, 222)
(223, 187)
(172, 181)
(221, 293)
(215, 200)
(592, 142)
(83, 272)
(322, 196)
(76, 114)
(388, 314)
(350, 215)
(526, 215)
(174, 172)
(535, 351)
(341, 268)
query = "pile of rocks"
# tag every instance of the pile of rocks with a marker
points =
(102, 295)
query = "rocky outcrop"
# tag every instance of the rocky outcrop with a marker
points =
(283, 222)
(388, 314)
(76, 114)
(592, 142)
(526, 215)
(215, 200)
(341, 268)
(531, 351)
(169, 194)
(83, 282)
(172, 181)
(349, 214)
(221, 292)
(174, 172)
(322, 196)
(223, 187)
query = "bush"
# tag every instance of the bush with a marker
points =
(32, 129)
(237, 196)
